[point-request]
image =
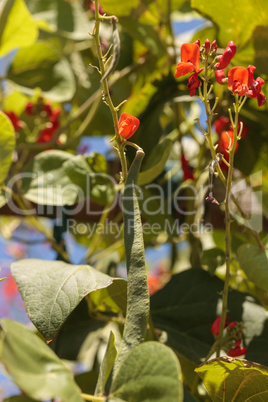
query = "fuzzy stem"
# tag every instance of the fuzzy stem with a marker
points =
(108, 99)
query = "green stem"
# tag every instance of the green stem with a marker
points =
(108, 99)
(228, 226)
(93, 398)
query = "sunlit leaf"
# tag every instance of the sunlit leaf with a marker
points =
(17, 27)
(7, 147)
(228, 379)
(52, 289)
(242, 19)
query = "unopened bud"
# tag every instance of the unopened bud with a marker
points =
(197, 42)
(214, 46)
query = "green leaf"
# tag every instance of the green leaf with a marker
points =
(110, 300)
(3, 198)
(144, 33)
(157, 159)
(94, 182)
(254, 263)
(73, 332)
(150, 373)
(138, 296)
(119, 8)
(52, 289)
(228, 379)
(187, 306)
(106, 365)
(235, 22)
(212, 259)
(45, 182)
(7, 146)
(18, 29)
(41, 65)
(34, 366)
(87, 381)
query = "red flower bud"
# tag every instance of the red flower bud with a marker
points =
(232, 325)
(128, 125)
(214, 46)
(237, 351)
(220, 77)
(227, 56)
(215, 328)
(197, 42)
(193, 83)
(207, 46)
(29, 108)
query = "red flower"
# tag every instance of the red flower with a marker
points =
(187, 173)
(238, 80)
(226, 143)
(237, 351)
(46, 134)
(128, 125)
(241, 82)
(227, 56)
(29, 108)
(255, 86)
(190, 59)
(215, 328)
(220, 77)
(14, 118)
(221, 124)
(193, 83)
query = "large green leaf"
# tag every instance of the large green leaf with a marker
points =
(150, 373)
(19, 398)
(235, 21)
(156, 162)
(228, 379)
(34, 366)
(187, 306)
(17, 27)
(52, 289)
(137, 291)
(41, 65)
(7, 146)
(45, 181)
(254, 263)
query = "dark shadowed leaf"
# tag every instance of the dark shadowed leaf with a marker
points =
(187, 306)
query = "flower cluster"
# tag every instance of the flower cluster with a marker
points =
(240, 80)
(233, 337)
(50, 115)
